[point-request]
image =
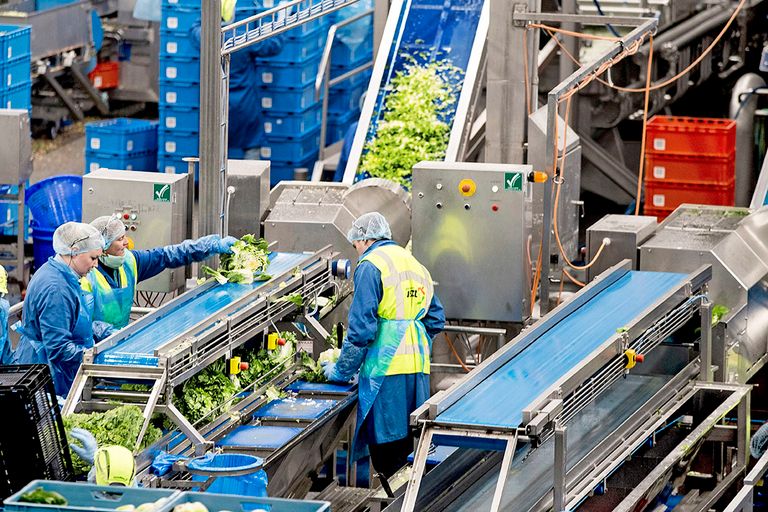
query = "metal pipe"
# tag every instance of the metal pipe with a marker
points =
(142, 311)
(468, 329)
(211, 151)
(743, 111)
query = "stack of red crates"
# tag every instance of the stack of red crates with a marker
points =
(688, 160)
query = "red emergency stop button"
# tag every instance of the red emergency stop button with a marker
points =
(495, 207)
(467, 187)
(126, 216)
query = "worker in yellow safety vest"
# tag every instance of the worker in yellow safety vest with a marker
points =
(111, 464)
(393, 317)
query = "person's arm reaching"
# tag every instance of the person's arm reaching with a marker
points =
(363, 323)
(152, 262)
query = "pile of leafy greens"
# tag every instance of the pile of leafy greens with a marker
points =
(120, 426)
(247, 263)
(313, 370)
(413, 127)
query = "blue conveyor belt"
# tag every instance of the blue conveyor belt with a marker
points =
(139, 348)
(259, 437)
(427, 31)
(295, 408)
(498, 401)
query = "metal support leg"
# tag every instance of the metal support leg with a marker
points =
(92, 92)
(509, 454)
(705, 345)
(560, 469)
(743, 432)
(149, 408)
(419, 463)
(20, 234)
(65, 98)
(201, 445)
(75, 392)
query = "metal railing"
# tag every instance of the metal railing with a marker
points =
(324, 82)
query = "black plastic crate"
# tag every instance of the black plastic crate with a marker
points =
(33, 444)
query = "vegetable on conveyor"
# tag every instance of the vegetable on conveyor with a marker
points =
(40, 495)
(313, 370)
(413, 128)
(246, 264)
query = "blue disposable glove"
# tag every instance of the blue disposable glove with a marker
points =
(102, 330)
(87, 452)
(225, 245)
(759, 441)
(329, 370)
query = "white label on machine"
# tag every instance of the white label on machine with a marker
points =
(95, 143)
(266, 151)
(658, 200)
(268, 127)
(173, 22)
(659, 144)
(171, 72)
(266, 78)
(170, 146)
(170, 122)
(170, 97)
(96, 81)
(659, 172)
(171, 47)
(129, 145)
(266, 102)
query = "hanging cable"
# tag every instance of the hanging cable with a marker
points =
(455, 354)
(601, 13)
(645, 127)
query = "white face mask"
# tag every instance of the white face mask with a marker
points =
(112, 261)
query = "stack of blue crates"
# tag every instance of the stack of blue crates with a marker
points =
(15, 54)
(348, 54)
(289, 111)
(179, 73)
(128, 144)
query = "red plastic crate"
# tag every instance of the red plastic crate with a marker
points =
(106, 75)
(696, 170)
(659, 213)
(669, 195)
(694, 136)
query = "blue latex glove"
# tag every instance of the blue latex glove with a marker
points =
(350, 360)
(331, 374)
(225, 245)
(87, 452)
(759, 441)
(102, 330)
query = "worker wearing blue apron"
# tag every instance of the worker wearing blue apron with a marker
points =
(57, 323)
(6, 354)
(246, 129)
(112, 284)
(392, 320)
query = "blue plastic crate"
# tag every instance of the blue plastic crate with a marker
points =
(179, 94)
(143, 161)
(180, 69)
(282, 171)
(179, 143)
(87, 497)
(344, 56)
(15, 72)
(338, 124)
(18, 96)
(220, 502)
(15, 41)
(178, 44)
(300, 48)
(307, 28)
(187, 4)
(286, 124)
(179, 18)
(41, 5)
(288, 99)
(172, 164)
(278, 74)
(121, 136)
(364, 77)
(292, 149)
(343, 101)
(9, 213)
(174, 118)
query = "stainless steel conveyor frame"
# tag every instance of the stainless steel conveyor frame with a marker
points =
(575, 388)
(190, 351)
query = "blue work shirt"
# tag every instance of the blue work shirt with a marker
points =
(55, 316)
(399, 394)
(246, 130)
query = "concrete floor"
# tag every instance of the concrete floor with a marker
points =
(65, 155)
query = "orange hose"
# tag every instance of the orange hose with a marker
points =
(455, 354)
(580, 35)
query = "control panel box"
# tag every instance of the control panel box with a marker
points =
(470, 229)
(625, 232)
(16, 150)
(153, 207)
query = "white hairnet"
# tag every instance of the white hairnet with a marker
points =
(369, 226)
(110, 227)
(76, 238)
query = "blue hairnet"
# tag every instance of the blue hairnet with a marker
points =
(75, 238)
(369, 226)
(110, 227)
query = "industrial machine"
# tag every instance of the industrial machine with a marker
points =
(16, 165)
(156, 212)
